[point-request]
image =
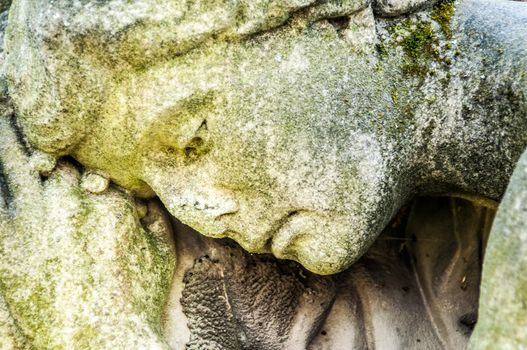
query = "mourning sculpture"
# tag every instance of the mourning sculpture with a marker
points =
(300, 129)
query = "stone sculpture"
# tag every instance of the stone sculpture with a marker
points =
(416, 288)
(295, 127)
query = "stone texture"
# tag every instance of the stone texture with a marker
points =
(297, 128)
(503, 303)
(392, 8)
(78, 270)
(302, 141)
(416, 287)
(10, 336)
(237, 301)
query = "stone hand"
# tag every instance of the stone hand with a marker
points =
(79, 270)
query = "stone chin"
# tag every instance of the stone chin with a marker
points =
(321, 243)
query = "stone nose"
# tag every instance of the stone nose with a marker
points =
(209, 203)
(192, 198)
(200, 209)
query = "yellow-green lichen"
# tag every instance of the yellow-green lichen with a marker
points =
(425, 40)
(382, 49)
(419, 47)
(442, 14)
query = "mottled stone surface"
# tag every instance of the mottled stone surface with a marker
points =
(393, 8)
(503, 303)
(416, 288)
(296, 127)
(77, 270)
(303, 140)
(11, 337)
(234, 300)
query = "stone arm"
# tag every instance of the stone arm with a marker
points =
(481, 122)
(77, 270)
(495, 36)
(503, 299)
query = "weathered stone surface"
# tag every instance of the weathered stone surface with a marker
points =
(77, 270)
(234, 300)
(297, 128)
(503, 303)
(10, 336)
(392, 8)
(417, 287)
(300, 141)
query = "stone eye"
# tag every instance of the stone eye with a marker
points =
(195, 148)
(171, 150)
(198, 146)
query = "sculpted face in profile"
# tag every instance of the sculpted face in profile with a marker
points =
(297, 128)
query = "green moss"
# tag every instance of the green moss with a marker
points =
(419, 41)
(382, 50)
(419, 48)
(395, 96)
(442, 14)
(415, 69)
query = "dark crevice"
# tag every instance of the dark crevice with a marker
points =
(43, 177)
(203, 126)
(268, 244)
(468, 322)
(276, 227)
(74, 162)
(4, 188)
(28, 150)
(340, 23)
